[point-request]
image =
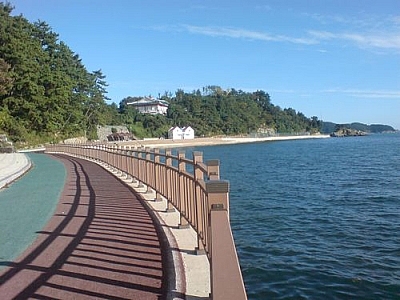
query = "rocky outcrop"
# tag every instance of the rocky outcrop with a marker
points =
(104, 131)
(344, 132)
(5, 145)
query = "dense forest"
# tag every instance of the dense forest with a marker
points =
(47, 95)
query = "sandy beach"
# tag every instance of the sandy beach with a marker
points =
(168, 143)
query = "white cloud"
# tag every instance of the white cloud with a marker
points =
(364, 40)
(395, 20)
(382, 37)
(361, 29)
(266, 8)
(366, 93)
(245, 34)
(358, 21)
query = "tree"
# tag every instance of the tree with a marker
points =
(94, 106)
(5, 78)
(44, 87)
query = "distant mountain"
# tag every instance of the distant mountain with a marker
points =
(330, 127)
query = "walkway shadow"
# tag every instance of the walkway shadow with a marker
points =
(100, 243)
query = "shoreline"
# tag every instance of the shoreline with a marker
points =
(168, 143)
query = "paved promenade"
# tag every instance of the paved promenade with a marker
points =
(101, 243)
(12, 166)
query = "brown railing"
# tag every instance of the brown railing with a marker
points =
(192, 187)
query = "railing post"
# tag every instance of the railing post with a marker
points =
(226, 277)
(118, 154)
(168, 180)
(140, 167)
(128, 153)
(112, 157)
(157, 174)
(148, 170)
(124, 160)
(217, 198)
(213, 169)
(133, 165)
(197, 201)
(218, 194)
(182, 201)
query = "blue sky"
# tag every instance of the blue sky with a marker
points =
(337, 60)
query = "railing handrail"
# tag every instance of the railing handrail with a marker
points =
(196, 192)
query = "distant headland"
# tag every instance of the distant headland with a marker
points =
(354, 129)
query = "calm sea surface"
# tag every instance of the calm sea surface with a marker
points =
(316, 219)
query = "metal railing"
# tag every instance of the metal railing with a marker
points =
(193, 188)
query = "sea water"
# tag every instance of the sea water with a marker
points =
(316, 219)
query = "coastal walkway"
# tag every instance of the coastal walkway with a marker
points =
(101, 242)
(12, 166)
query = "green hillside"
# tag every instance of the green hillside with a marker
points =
(214, 111)
(329, 127)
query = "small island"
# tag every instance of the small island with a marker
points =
(354, 129)
(344, 132)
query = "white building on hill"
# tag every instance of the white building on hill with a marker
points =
(177, 133)
(149, 105)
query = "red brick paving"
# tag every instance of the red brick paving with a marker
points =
(101, 243)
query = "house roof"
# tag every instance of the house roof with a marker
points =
(148, 101)
(173, 128)
(181, 129)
